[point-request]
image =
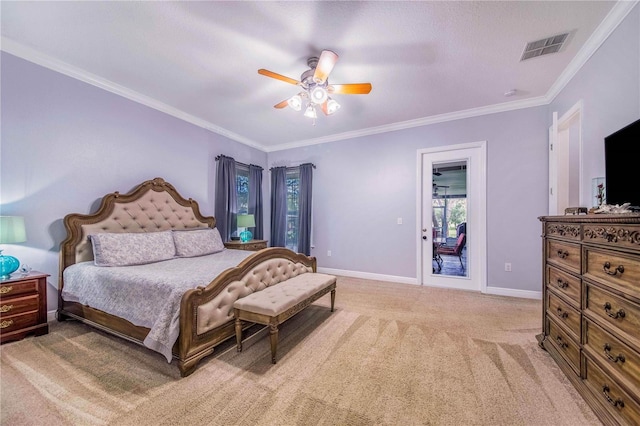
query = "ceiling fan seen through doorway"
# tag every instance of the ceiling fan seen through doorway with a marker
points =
(316, 89)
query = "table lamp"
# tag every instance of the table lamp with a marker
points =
(11, 231)
(246, 221)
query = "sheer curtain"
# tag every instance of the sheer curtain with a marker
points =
(278, 206)
(226, 204)
(304, 209)
(255, 199)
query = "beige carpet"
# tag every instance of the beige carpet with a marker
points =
(390, 354)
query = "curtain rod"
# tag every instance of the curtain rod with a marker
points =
(240, 163)
(295, 167)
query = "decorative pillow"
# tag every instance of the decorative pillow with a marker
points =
(124, 249)
(197, 242)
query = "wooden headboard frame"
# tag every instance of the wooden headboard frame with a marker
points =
(152, 206)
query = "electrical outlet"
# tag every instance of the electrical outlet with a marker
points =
(399, 221)
(328, 253)
(507, 267)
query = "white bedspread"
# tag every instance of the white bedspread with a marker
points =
(146, 295)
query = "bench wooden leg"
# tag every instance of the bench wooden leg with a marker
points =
(238, 334)
(273, 336)
(333, 298)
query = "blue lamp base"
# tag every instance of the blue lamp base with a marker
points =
(246, 236)
(8, 265)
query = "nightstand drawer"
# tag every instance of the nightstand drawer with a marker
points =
(18, 305)
(17, 322)
(564, 254)
(11, 289)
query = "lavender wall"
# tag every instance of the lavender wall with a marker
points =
(66, 143)
(609, 86)
(361, 187)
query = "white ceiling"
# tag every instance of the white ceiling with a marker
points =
(427, 61)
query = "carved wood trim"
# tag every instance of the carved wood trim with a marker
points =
(613, 234)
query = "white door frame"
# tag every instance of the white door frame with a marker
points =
(476, 220)
(560, 157)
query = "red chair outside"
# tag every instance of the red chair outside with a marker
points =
(454, 251)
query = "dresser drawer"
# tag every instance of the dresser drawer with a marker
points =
(614, 235)
(611, 395)
(565, 284)
(567, 231)
(564, 254)
(11, 289)
(565, 345)
(18, 305)
(612, 352)
(564, 314)
(17, 322)
(614, 311)
(616, 270)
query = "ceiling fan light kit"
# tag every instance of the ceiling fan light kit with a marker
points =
(315, 82)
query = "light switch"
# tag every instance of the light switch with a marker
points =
(399, 221)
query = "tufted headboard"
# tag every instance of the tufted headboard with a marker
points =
(152, 206)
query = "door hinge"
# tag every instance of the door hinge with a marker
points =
(550, 191)
(550, 147)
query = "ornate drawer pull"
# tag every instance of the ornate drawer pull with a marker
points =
(617, 403)
(562, 344)
(562, 254)
(607, 352)
(607, 268)
(6, 323)
(5, 290)
(561, 313)
(562, 284)
(6, 308)
(620, 314)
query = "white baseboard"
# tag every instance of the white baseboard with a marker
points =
(498, 291)
(512, 292)
(369, 276)
(51, 316)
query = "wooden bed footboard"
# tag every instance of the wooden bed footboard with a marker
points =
(191, 346)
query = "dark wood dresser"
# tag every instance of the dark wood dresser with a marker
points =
(23, 306)
(591, 309)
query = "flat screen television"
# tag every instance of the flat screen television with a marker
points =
(622, 166)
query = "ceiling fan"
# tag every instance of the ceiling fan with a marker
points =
(316, 87)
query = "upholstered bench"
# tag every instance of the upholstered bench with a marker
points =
(275, 304)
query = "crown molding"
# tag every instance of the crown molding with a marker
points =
(402, 125)
(17, 49)
(618, 12)
(615, 16)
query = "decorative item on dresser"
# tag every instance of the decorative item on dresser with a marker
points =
(251, 245)
(23, 306)
(12, 231)
(591, 309)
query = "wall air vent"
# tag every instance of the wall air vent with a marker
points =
(544, 46)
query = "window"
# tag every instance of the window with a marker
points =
(242, 189)
(293, 191)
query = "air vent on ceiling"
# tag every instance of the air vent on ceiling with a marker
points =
(544, 46)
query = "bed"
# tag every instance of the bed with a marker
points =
(198, 316)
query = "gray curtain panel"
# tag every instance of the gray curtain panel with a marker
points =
(304, 209)
(255, 199)
(226, 204)
(278, 206)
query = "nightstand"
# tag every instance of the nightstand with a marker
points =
(23, 306)
(252, 245)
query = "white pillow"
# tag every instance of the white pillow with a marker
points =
(124, 249)
(197, 242)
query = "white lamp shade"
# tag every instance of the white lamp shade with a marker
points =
(246, 221)
(12, 230)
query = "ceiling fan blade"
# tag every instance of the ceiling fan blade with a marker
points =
(350, 89)
(278, 76)
(326, 62)
(282, 104)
